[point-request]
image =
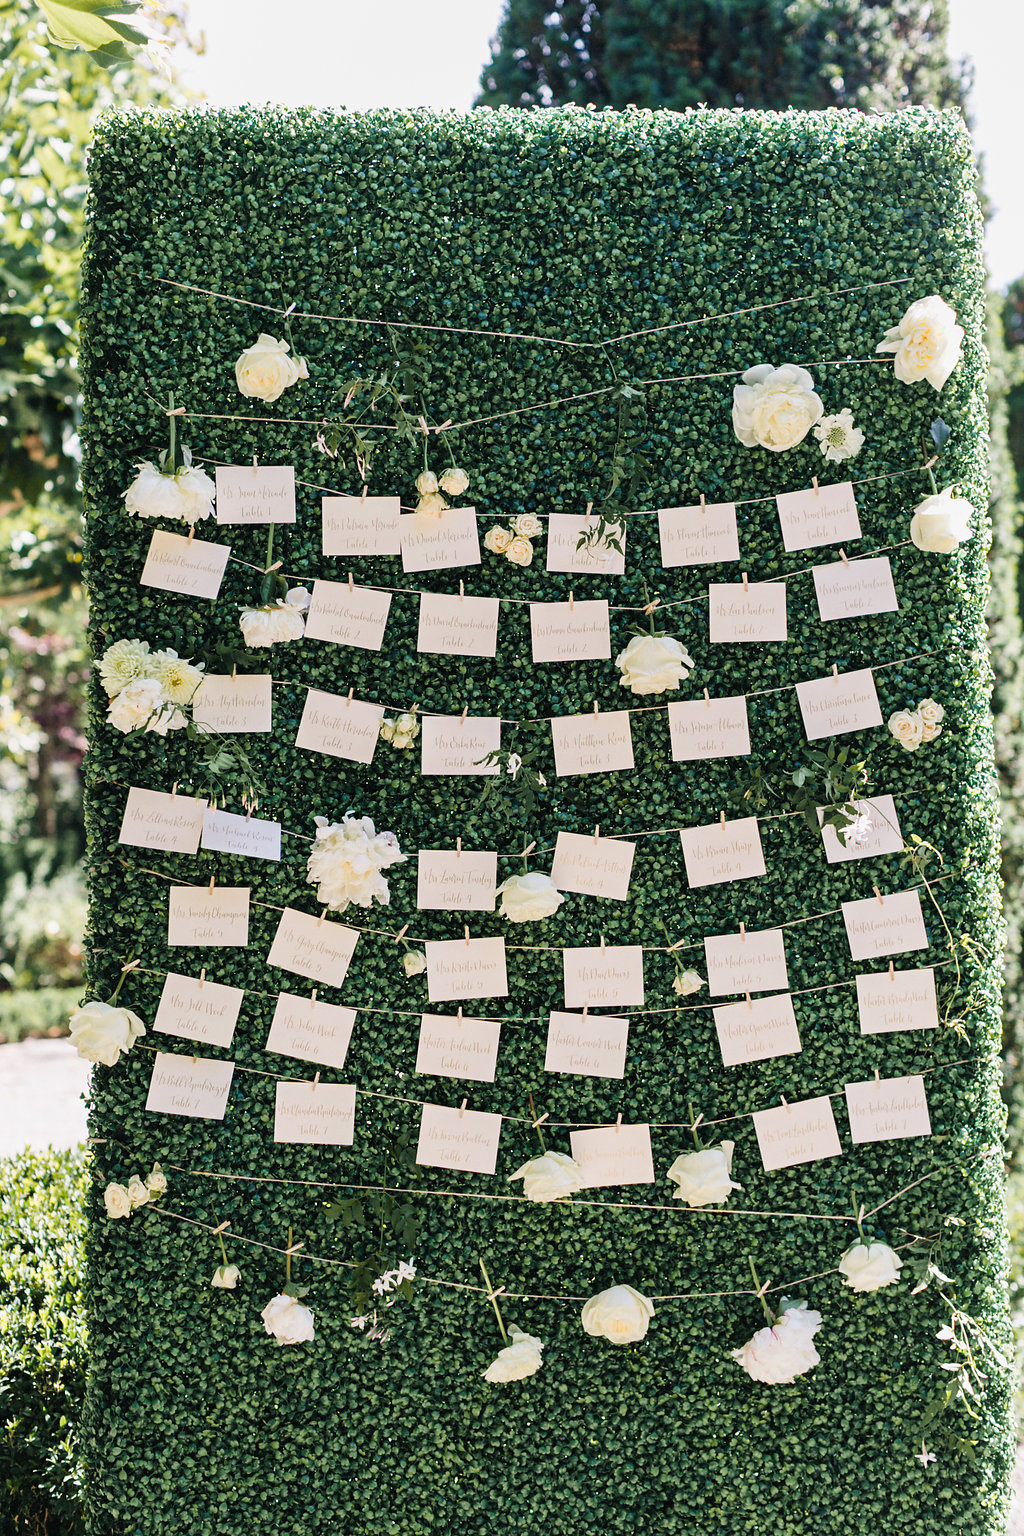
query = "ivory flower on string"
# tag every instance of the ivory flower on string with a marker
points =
(400, 732)
(100, 1032)
(941, 523)
(454, 481)
(553, 1176)
(704, 1178)
(619, 1314)
(287, 1320)
(144, 705)
(346, 862)
(272, 624)
(653, 664)
(926, 343)
(528, 898)
(838, 438)
(225, 1277)
(775, 408)
(779, 1354)
(414, 962)
(177, 677)
(264, 371)
(870, 1266)
(187, 492)
(519, 1359)
(687, 982)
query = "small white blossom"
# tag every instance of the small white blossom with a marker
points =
(838, 438)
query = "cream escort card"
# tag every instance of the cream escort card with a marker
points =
(321, 1113)
(466, 1139)
(612, 977)
(233, 705)
(570, 631)
(888, 1109)
(845, 701)
(453, 744)
(197, 1009)
(181, 1085)
(459, 968)
(742, 614)
(429, 544)
(262, 493)
(458, 1047)
(592, 743)
(456, 880)
(347, 615)
(199, 916)
(885, 925)
(709, 728)
(307, 1030)
(797, 1133)
(756, 1030)
(723, 851)
(614, 1154)
(339, 726)
(457, 626)
(173, 564)
(900, 1000)
(172, 823)
(564, 531)
(825, 514)
(224, 832)
(587, 1045)
(361, 527)
(313, 947)
(592, 866)
(746, 962)
(880, 834)
(698, 535)
(854, 588)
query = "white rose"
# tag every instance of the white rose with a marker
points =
(432, 507)
(931, 712)
(142, 706)
(288, 1320)
(226, 1277)
(414, 962)
(687, 982)
(527, 526)
(870, 1266)
(138, 1194)
(101, 1031)
(619, 1314)
(941, 523)
(426, 483)
(926, 343)
(454, 482)
(519, 551)
(115, 1198)
(156, 1182)
(775, 408)
(552, 1176)
(152, 493)
(782, 1353)
(908, 728)
(497, 539)
(124, 662)
(528, 898)
(520, 1358)
(272, 624)
(704, 1178)
(401, 733)
(652, 664)
(178, 678)
(264, 371)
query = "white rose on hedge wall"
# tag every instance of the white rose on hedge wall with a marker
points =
(454, 482)
(870, 1266)
(619, 1314)
(941, 523)
(264, 371)
(273, 624)
(102, 1031)
(187, 494)
(932, 715)
(519, 551)
(519, 1359)
(225, 1277)
(552, 1176)
(143, 705)
(908, 728)
(926, 343)
(652, 664)
(414, 962)
(780, 1354)
(138, 1194)
(685, 983)
(704, 1178)
(497, 539)
(775, 408)
(287, 1320)
(156, 1182)
(432, 506)
(116, 1201)
(426, 483)
(527, 526)
(528, 898)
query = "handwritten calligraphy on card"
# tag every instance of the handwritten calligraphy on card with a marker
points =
(313, 947)
(612, 977)
(457, 626)
(614, 1154)
(458, 1047)
(323, 1114)
(797, 1133)
(234, 705)
(181, 1085)
(175, 565)
(757, 1029)
(701, 535)
(464, 1139)
(722, 852)
(825, 514)
(352, 526)
(570, 631)
(199, 916)
(194, 1008)
(592, 866)
(595, 743)
(339, 726)
(886, 925)
(742, 615)
(586, 1044)
(708, 728)
(431, 544)
(345, 615)
(306, 1029)
(890, 1003)
(255, 494)
(172, 823)
(459, 968)
(890, 1109)
(832, 706)
(456, 880)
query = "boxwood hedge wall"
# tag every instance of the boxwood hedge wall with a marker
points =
(583, 226)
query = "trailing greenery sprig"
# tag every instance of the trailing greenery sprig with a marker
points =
(607, 528)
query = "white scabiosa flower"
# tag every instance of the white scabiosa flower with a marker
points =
(838, 438)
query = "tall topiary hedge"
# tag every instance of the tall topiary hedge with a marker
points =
(579, 227)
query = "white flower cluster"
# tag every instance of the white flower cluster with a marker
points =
(101, 1031)
(347, 860)
(429, 488)
(391, 1279)
(276, 623)
(147, 689)
(913, 727)
(122, 1199)
(516, 541)
(264, 371)
(186, 492)
(775, 408)
(400, 732)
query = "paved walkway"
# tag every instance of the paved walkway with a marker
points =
(41, 1088)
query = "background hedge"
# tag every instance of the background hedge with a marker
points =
(580, 225)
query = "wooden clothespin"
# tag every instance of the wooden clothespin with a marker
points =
(362, 494)
(746, 584)
(202, 977)
(320, 919)
(462, 1108)
(749, 1003)
(458, 847)
(348, 701)
(462, 591)
(835, 674)
(211, 886)
(843, 558)
(465, 712)
(458, 1017)
(316, 1081)
(814, 482)
(539, 1121)
(255, 463)
(892, 971)
(351, 583)
(572, 599)
(174, 789)
(703, 503)
(312, 998)
(878, 893)
(597, 832)
(721, 818)
(400, 935)
(707, 699)
(595, 709)
(743, 933)
(602, 943)
(466, 932)
(618, 1121)
(222, 1228)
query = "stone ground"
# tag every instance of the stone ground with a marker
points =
(41, 1087)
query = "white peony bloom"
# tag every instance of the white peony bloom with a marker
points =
(687, 982)
(782, 1353)
(102, 1031)
(775, 408)
(117, 1201)
(519, 1359)
(497, 539)
(619, 1314)
(273, 624)
(941, 523)
(152, 493)
(652, 664)
(431, 507)
(124, 662)
(926, 343)
(908, 728)
(528, 898)
(347, 860)
(870, 1266)
(225, 1277)
(156, 1182)
(931, 715)
(414, 962)
(838, 438)
(552, 1176)
(426, 483)
(178, 678)
(138, 1194)
(288, 1320)
(454, 482)
(264, 371)
(704, 1178)
(195, 493)
(527, 526)
(519, 551)
(143, 705)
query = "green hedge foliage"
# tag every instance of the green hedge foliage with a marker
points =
(580, 225)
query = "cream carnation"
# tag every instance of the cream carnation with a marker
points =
(522, 1357)
(926, 343)
(528, 898)
(785, 1351)
(144, 705)
(519, 551)
(347, 860)
(102, 1031)
(941, 523)
(775, 408)
(908, 728)
(619, 1314)
(704, 1178)
(870, 1266)
(652, 664)
(124, 662)
(273, 624)
(264, 371)
(287, 1320)
(497, 539)
(553, 1176)
(195, 493)
(454, 482)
